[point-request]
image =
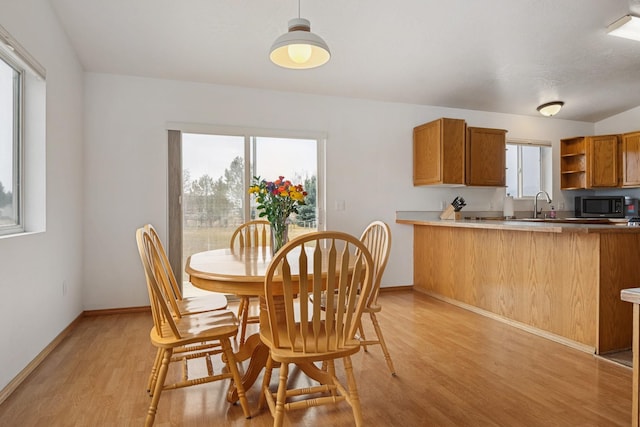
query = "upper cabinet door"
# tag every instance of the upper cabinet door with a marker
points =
(602, 156)
(438, 152)
(486, 157)
(631, 159)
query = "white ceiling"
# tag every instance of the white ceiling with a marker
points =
(492, 55)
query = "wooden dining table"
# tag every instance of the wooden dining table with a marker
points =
(242, 272)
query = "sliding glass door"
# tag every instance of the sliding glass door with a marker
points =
(216, 171)
(212, 190)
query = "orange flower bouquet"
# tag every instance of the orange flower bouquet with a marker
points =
(277, 200)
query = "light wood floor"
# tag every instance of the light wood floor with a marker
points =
(455, 368)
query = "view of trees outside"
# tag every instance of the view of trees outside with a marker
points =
(6, 206)
(7, 75)
(215, 194)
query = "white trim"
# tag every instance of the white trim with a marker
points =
(522, 141)
(13, 49)
(211, 129)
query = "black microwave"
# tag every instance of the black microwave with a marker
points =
(599, 206)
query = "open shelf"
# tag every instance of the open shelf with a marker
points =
(573, 163)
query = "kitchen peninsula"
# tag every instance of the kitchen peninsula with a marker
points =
(558, 279)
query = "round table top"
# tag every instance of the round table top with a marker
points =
(239, 271)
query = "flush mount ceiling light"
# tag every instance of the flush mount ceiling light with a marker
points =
(627, 27)
(550, 108)
(299, 48)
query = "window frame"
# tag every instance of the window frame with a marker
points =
(17, 146)
(545, 166)
(30, 149)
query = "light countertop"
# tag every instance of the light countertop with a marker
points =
(561, 225)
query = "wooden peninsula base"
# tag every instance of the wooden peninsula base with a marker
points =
(559, 281)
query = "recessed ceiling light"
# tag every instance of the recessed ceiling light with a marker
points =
(550, 108)
(627, 27)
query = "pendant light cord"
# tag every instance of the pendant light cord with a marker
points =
(298, 8)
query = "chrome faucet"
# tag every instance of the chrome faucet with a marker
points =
(535, 202)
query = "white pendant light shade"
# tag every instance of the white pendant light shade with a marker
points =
(627, 27)
(299, 48)
(550, 109)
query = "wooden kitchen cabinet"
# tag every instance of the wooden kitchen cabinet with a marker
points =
(630, 159)
(446, 152)
(589, 162)
(485, 157)
(602, 161)
(438, 152)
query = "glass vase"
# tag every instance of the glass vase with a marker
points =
(279, 235)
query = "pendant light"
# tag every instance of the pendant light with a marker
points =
(550, 108)
(299, 48)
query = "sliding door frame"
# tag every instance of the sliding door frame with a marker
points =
(174, 178)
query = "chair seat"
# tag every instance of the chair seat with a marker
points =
(324, 352)
(202, 303)
(197, 328)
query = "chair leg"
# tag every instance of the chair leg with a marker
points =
(266, 380)
(362, 337)
(244, 318)
(354, 399)
(162, 375)
(331, 369)
(151, 385)
(387, 356)
(243, 300)
(278, 418)
(237, 379)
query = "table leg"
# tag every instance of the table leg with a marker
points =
(255, 350)
(313, 372)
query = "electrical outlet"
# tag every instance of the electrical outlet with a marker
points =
(561, 206)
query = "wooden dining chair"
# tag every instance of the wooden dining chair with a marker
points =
(181, 338)
(300, 332)
(183, 305)
(377, 238)
(252, 234)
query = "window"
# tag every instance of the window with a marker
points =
(22, 139)
(10, 146)
(529, 168)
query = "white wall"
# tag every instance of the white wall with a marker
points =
(369, 164)
(629, 121)
(33, 309)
